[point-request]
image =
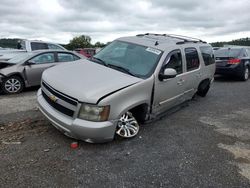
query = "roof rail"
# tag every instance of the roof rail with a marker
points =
(180, 37)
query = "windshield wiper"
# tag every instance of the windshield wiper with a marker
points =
(121, 68)
(98, 60)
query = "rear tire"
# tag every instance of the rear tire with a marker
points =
(245, 74)
(12, 85)
(203, 88)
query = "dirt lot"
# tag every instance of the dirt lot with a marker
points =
(205, 144)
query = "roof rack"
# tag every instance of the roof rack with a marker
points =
(180, 37)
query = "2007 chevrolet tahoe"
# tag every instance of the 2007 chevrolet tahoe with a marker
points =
(130, 81)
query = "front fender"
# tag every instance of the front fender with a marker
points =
(128, 98)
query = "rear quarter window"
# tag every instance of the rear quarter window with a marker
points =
(207, 55)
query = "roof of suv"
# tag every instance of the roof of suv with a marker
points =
(161, 41)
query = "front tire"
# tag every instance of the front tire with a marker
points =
(127, 126)
(12, 85)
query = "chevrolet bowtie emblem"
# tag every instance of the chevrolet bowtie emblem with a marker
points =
(53, 98)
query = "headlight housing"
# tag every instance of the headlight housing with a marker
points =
(94, 113)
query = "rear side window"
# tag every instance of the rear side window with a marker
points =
(174, 61)
(65, 57)
(192, 59)
(38, 46)
(207, 55)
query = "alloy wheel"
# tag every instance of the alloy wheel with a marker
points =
(127, 126)
(12, 85)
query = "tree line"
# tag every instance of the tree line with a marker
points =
(238, 42)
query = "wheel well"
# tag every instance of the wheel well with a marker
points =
(140, 112)
(203, 81)
(16, 74)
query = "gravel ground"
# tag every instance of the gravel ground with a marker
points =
(205, 144)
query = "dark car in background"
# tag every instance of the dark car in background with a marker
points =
(25, 69)
(233, 61)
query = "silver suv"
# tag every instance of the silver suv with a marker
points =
(132, 80)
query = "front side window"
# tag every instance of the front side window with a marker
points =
(134, 59)
(44, 58)
(38, 46)
(207, 54)
(174, 61)
(65, 57)
(192, 59)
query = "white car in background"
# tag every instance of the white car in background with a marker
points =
(28, 46)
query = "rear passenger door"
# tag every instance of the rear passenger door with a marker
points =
(193, 72)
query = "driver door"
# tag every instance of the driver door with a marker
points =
(170, 92)
(35, 67)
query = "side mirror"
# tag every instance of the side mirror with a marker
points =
(167, 73)
(30, 62)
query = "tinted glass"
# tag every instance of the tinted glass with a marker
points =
(38, 46)
(192, 59)
(174, 60)
(138, 60)
(44, 58)
(207, 54)
(227, 52)
(65, 57)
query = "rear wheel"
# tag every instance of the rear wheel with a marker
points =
(12, 85)
(245, 74)
(203, 88)
(127, 126)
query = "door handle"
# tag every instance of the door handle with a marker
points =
(180, 82)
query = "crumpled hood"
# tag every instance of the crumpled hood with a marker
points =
(87, 81)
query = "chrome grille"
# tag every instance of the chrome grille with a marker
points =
(59, 101)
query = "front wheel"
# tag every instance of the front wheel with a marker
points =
(127, 126)
(12, 85)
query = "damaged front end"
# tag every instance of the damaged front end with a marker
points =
(5, 64)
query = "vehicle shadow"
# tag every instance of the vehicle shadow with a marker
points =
(224, 78)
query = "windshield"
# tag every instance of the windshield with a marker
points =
(19, 58)
(227, 52)
(133, 59)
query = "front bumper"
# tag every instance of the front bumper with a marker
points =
(94, 132)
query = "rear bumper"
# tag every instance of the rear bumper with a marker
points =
(232, 70)
(94, 132)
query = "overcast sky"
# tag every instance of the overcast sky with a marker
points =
(104, 20)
